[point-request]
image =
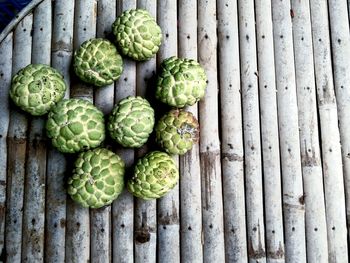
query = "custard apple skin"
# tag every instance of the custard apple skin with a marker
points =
(155, 175)
(177, 131)
(37, 88)
(74, 125)
(181, 82)
(97, 179)
(137, 34)
(131, 122)
(98, 62)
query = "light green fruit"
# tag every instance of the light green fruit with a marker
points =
(181, 82)
(97, 179)
(137, 34)
(37, 88)
(98, 62)
(177, 131)
(75, 125)
(155, 175)
(131, 122)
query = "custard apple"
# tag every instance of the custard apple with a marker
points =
(131, 122)
(181, 82)
(137, 34)
(155, 174)
(177, 131)
(37, 88)
(98, 178)
(75, 125)
(98, 62)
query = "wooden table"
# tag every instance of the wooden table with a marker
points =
(270, 179)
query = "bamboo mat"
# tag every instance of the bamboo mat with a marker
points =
(270, 179)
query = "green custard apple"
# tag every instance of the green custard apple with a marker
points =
(131, 122)
(98, 62)
(177, 131)
(97, 179)
(137, 34)
(75, 125)
(37, 88)
(155, 175)
(181, 82)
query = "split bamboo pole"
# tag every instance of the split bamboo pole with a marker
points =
(190, 181)
(231, 133)
(17, 146)
(292, 183)
(35, 183)
(315, 217)
(123, 207)
(62, 51)
(331, 151)
(212, 203)
(251, 129)
(269, 134)
(5, 83)
(78, 221)
(340, 40)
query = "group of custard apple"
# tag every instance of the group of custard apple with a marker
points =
(77, 126)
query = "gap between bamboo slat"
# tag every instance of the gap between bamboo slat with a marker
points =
(330, 145)
(190, 181)
(231, 133)
(78, 221)
(340, 37)
(251, 129)
(123, 207)
(35, 182)
(61, 56)
(168, 213)
(269, 134)
(315, 217)
(5, 82)
(292, 184)
(17, 146)
(212, 204)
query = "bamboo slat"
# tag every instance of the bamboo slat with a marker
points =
(315, 217)
(123, 207)
(212, 204)
(340, 42)
(331, 151)
(62, 51)
(17, 145)
(35, 183)
(269, 134)
(5, 82)
(168, 206)
(232, 133)
(104, 99)
(292, 185)
(190, 181)
(251, 128)
(78, 223)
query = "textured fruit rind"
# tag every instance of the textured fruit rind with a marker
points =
(131, 122)
(137, 34)
(75, 125)
(181, 82)
(97, 179)
(37, 88)
(98, 62)
(155, 175)
(177, 131)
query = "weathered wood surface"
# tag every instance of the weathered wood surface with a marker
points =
(270, 178)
